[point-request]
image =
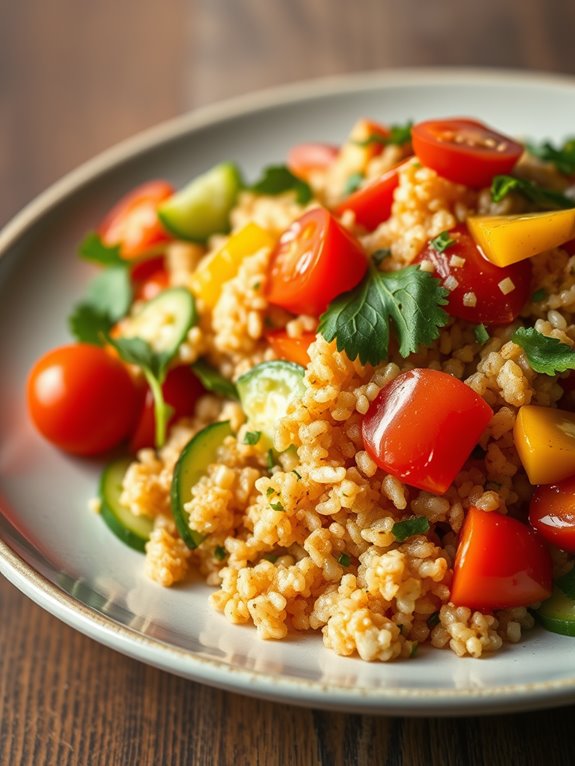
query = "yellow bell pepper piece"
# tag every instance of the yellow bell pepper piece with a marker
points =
(208, 279)
(545, 440)
(506, 239)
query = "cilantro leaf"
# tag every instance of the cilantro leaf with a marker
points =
(416, 525)
(442, 242)
(353, 183)
(277, 506)
(252, 437)
(108, 299)
(481, 334)
(539, 295)
(93, 249)
(344, 560)
(546, 199)
(220, 552)
(214, 381)
(277, 179)
(359, 319)
(562, 157)
(398, 136)
(546, 355)
(88, 324)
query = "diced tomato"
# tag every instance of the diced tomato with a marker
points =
(478, 289)
(304, 159)
(315, 260)
(464, 151)
(292, 349)
(422, 426)
(372, 203)
(149, 278)
(363, 134)
(134, 224)
(181, 390)
(552, 513)
(500, 563)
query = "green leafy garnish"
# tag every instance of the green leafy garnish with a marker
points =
(546, 355)
(539, 295)
(107, 300)
(214, 381)
(252, 437)
(353, 183)
(563, 157)
(442, 242)
(344, 560)
(398, 136)
(359, 320)
(93, 249)
(270, 491)
(277, 179)
(271, 460)
(417, 525)
(380, 255)
(481, 334)
(547, 199)
(220, 552)
(277, 506)
(433, 620)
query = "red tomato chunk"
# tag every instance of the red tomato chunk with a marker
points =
(373, 202)
(552, 513)
(422, 427)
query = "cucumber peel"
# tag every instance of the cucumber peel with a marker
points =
(557, 614)
(130, 529)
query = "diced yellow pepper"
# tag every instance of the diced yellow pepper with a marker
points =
(208, 279)
(506, 239)
(545, 440)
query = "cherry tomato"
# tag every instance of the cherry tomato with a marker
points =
(477, 281)
(422, 426)
(181, 390)
(315, 260)
(304, 159)
(150, 277)
(464, 151)
(292, 349)
(500, 563)
(133, 223)
(372, 203)
(552, 513)
(81, 399)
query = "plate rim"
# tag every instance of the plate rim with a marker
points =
(179, 661)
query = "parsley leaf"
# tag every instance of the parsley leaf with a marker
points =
(214, 381)
(547, 199)
(108, 299)
(359, 319)
(442, 242)
(563, 157)
(344, 560)
(547, 355)
(481, 334)
(277, 506)
(252, 437)
(398, 136)
(416, 525)
(353, 183)
(220, 552)
(277, 179)
(539, 295)
(93, 249)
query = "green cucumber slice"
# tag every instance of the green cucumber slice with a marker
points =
(192, 464)
(567, 583)
(133, 530)
(557, 614)
(202, 208)
(266, 391)
(165, 321)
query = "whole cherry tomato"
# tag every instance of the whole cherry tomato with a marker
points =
(552, 513)
(304, 159)
(81, 399)
(372, 203)
(422, 426)
(478, 289)
(292, 349)
(500, 563)
(315, 260)
(134, 224)
(464, 151)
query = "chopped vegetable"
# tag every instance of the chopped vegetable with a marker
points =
(562, 157)
(545, 440)
(417, 525)
(481, 334)
(442, 242)
(130, 529)
(557, 614)
(252, 437)
(395, 135)
(546, 199)
(372, 203)
(546, 355)
(278, 179)
(354, 181)
(220, 553)
(93, 249)
(212, 380)
(107, 300)
(305, 159)
(552, 513)
(291, 349)
(344, 560)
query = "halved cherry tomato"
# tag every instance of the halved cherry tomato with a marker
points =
(81, 399)
(149, 278)
(422, 426)
(478, 281)
(315, 260)
(464, 151)
(133, 223)
(181, 390)
(372, 202)
(552, 513)
(304, 159)
(500, 563)
(292, 349)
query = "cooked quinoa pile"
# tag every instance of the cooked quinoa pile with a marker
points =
(304, 542)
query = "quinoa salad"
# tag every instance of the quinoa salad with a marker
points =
(342, 394)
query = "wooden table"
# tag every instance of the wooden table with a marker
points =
(75, 77)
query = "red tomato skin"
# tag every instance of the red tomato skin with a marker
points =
(316, 259)
(304, 159)
(422, 426)
(149, 278)
(373, 202)
(292, 349)
(133, 222)
(461, 161)
(181, 390)
(481, 277)
(500, 564)
(552, 513)
(81, 399)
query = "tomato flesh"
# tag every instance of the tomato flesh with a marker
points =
(315, 260)
(422, 426)
(478, 281)
(133, 223)
(552, 513)
(81, 399)
(373, 202)
(292, 349)
(464, 151)
(500, 563)
(304, 159)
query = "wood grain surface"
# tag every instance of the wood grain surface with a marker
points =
(77, 76)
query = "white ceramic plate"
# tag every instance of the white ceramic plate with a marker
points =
(66, 559)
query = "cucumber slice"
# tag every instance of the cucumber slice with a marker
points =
(266, 391)
(132, 530)
(557, 614)
(202, 208)
(165, 320)
(567, 583)
(192, 464)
